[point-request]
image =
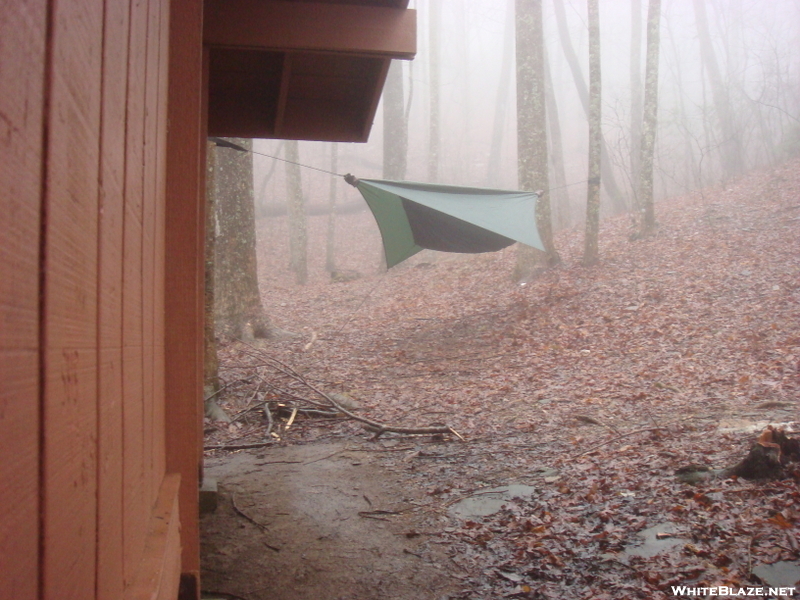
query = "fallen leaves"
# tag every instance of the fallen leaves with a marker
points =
(614, 376)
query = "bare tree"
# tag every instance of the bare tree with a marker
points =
(610, 182)
(395, 128)
(591, 253)
(636, 92)
(532, 131)
(646, 218)
(298, 237)
(210, 362)
(237, 300)
(434, 32)
(560, 192)
(501, 103)
(730, 143)
(330, 241)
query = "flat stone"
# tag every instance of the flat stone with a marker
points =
(208, 496)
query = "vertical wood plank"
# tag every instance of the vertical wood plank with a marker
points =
(152, 480)
(22, 69)
(159, 573)
(184, 247)
(70, 301)
(159, 441)
(136, 511)
(110, 518)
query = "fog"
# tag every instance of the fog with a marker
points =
(756, 45)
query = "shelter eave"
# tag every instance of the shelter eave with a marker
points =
(301, 70)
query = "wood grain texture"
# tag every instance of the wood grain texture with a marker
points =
(184, 247)
(110, 519)
(158, 575)
(70, 301)
(22, 61)
(308, 26)
(159, 440)
(152, 287)
(136, 508)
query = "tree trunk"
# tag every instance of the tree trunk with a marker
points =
(532, 131)
(262, 208)
(636, 95)
(330, 242)
(730, 143)
(647, 216)
(501, 104)
(395, 129)
(590, 250)
(560, 192)
(238, 309)
(211, 364)
(610, 182)
(298, 238)
(434, 27)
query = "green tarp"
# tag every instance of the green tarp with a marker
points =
(416, 216)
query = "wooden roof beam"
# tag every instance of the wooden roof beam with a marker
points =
(310, 26)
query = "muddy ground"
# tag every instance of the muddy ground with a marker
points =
(333, 521)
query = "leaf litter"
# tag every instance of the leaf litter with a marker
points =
(591, 385)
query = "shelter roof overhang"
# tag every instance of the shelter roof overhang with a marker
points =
(301, 70)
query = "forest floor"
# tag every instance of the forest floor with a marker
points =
(584, 389)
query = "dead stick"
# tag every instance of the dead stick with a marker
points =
(619, 437)
(227, 385)
(241, 513)
(237, 446)
(379, 428)
(270, 422)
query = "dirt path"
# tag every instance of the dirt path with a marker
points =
(322, 534)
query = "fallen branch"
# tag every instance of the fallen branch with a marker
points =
(270, 422)
(379, 430)
(375, 514)
(237, 446)
(241, 513)
(227, 385)
(619, 437)
(376, 427)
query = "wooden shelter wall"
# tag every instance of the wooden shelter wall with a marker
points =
(82, 244)
(22, 62)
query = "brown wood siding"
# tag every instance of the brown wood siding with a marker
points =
(88, 508)
(22, 61)
(110, 574)
(101, 336)
(133, 402)
(69, 315)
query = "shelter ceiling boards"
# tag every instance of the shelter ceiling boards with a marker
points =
(301, 70)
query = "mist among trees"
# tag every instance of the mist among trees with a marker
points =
(726, 77)
(615, 379)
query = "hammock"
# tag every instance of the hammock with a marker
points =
(448, 218)
(416, 216)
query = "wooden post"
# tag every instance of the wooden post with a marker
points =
(184, 267)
